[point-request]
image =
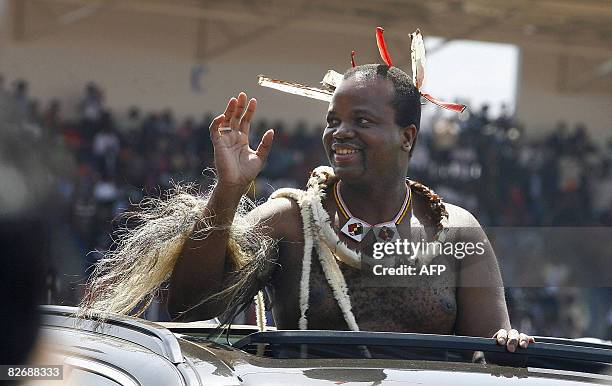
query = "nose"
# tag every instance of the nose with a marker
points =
(343, 132)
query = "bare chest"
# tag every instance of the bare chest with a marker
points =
(424, 304)
(416, 303)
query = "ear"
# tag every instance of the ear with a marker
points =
(408, 137)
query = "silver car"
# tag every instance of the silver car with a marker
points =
(129, 351)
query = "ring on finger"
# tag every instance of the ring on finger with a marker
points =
(224, 129)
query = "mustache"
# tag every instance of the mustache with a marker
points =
(345, 145)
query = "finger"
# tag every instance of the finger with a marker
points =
(264, 146)
(245, 122)
(513, 340)
(501, 336)
(523, 340)
(240, 106)
(229, 110)
(214, 126)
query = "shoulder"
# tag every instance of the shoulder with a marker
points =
(460, 217)
(281, 213)
(463, 226)
(457, 216)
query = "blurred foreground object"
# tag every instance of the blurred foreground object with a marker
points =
(22, 235)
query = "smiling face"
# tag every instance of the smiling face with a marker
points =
(362, 139)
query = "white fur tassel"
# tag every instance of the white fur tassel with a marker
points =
(303, 199)
(260, 311)
(336, 281)
(306, 263)
(328, 261)
(329, 236)
(317, 227)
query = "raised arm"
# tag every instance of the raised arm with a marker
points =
(200, 268)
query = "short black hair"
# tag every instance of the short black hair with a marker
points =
(407, 99)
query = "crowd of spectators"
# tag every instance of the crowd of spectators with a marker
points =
(104, 160)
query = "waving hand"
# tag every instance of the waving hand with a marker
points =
(236, 163)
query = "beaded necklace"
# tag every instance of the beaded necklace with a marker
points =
(357, 229)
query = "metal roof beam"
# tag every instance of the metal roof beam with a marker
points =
(552, 30)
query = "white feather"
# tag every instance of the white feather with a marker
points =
(417, 54)
(295, 88)
(332, 79)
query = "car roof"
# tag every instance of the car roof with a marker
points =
(121, 359)
(252, 369)
(150, 352)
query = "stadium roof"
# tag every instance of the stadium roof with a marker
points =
(584, 27)
(578, 33)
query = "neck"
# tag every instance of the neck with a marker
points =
(374, 203)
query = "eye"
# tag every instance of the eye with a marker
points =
(361, 121)
(333, 122)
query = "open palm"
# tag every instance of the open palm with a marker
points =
(236, 163)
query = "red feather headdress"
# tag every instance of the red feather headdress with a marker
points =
(333, 78)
